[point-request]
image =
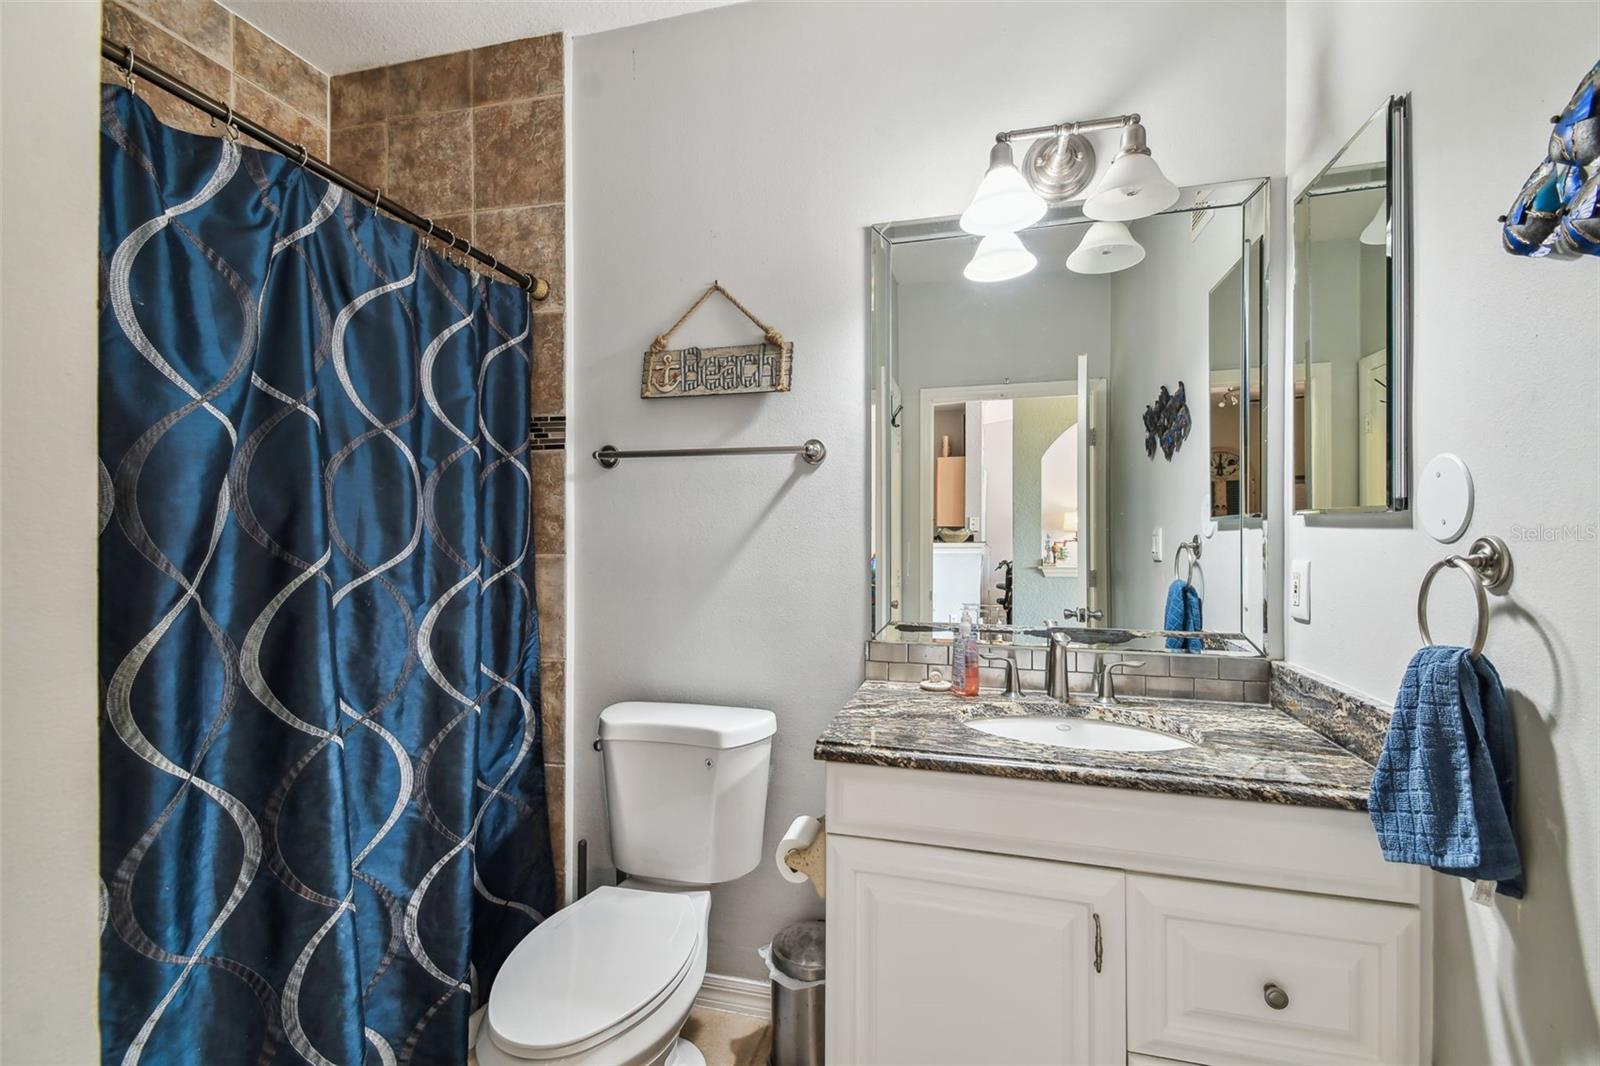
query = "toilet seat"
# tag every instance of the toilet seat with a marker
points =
(592, 971)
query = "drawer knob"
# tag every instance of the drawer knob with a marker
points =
(1276, 997)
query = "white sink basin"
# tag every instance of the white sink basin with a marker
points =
(1088, 733)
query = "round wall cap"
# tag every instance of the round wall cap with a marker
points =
(1444, 498)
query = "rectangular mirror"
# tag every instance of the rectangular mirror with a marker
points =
(1058, 448)
(1352, 325)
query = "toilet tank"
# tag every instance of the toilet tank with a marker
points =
(686, 788)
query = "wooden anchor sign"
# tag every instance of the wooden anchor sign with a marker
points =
(729, 371)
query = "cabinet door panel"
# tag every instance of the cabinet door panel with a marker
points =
(942, 956)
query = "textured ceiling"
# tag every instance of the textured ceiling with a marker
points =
(338, 36)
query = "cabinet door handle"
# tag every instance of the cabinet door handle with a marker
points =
(1099, 945)
(1276, 997)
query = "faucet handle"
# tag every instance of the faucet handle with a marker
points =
(1108, 691)
(1009, 663)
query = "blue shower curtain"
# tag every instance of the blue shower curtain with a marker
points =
(323, 820)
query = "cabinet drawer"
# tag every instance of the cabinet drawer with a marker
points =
(1202, 958)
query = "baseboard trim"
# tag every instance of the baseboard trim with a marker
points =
(740, 995)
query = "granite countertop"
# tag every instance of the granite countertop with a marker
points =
(1242, 751)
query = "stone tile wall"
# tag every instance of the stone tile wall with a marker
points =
(476, 141)
(226, 58)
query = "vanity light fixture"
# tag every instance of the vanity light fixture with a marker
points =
(1134, 186)
(1000, 257)
(1059, 165)
(1003, 203)
(1107, 248)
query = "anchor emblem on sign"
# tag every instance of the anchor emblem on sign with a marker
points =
(665, 374)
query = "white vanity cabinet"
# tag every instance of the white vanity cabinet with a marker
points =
(966, 957)
(980, 919)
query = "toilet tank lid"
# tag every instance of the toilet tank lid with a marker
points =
(700, 724)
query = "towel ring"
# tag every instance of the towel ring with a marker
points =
(1488, 564)
(1192, 546)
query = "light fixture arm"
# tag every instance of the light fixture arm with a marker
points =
(1093, 125)
(1060, 162)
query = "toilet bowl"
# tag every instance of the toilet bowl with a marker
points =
(610, 979)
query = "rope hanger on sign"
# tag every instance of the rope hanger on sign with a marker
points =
(773, 337)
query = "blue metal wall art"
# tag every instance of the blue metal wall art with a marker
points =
(1166, 423)
(1555, 213)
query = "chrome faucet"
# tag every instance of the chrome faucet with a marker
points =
(1057, 665)
(1104, 674)
(1013, 681)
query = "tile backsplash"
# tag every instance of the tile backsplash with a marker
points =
(1183, 677)
(1350, 719)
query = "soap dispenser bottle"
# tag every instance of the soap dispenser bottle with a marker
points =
(965, 656)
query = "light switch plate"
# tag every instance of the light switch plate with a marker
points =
(1155, 545)
(1300, 590)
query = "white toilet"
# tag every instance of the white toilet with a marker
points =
(610, 979)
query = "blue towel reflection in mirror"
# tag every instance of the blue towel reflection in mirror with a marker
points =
(1183, 616)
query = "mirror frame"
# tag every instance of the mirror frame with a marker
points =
(883, 357)
(1396, 113)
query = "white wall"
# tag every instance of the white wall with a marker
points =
(1037, 422)
(1160, 335)
(997, 433)
(1505, 376)
(754, 144)
(952, 333)
(48, 690)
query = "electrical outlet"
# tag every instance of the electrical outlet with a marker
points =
(1300, 590)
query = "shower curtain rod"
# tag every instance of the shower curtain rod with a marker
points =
(133, 67)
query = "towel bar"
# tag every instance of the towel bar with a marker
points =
(1488, 564)
(812, 451)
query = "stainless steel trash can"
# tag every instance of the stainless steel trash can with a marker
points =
(799, 953)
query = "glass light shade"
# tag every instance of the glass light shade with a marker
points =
(1000, 257)
(1377, 231)
(1105, 249)
(1133, 187)
(1003, 202)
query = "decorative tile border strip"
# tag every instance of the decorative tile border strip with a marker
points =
(547, 432)
(1355, 722)
(1182, 677)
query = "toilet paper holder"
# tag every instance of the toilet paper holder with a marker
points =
(802, 853)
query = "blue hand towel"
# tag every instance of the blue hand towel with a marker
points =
(1444, 793)
(1183, 615)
